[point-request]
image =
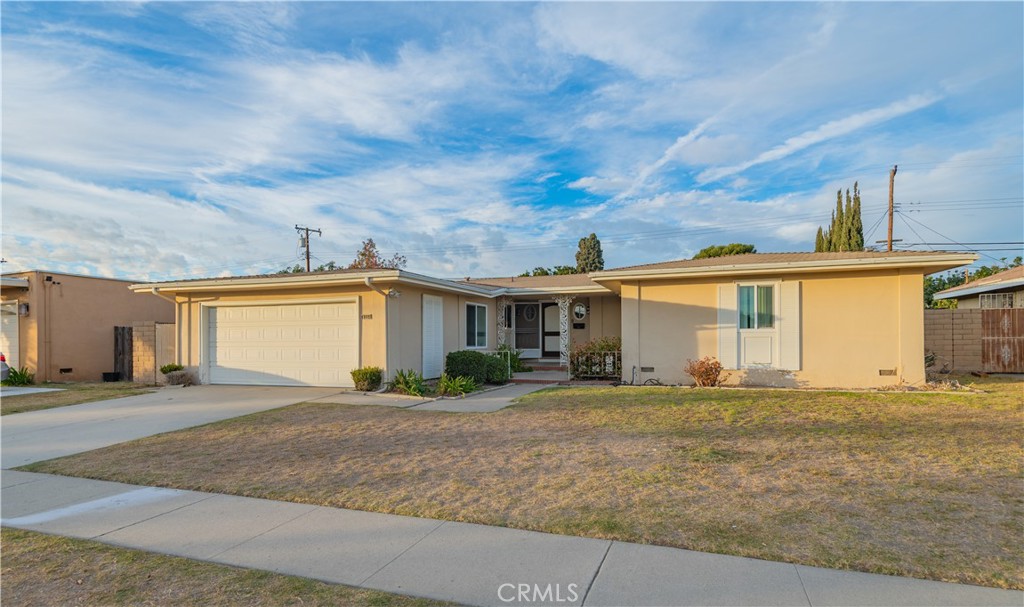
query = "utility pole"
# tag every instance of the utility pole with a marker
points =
(305, 239)
(892, 181)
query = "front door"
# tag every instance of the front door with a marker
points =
(552, 332)
(526, 325)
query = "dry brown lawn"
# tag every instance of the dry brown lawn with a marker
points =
(46, 570)
(70, 394)
(925, 485)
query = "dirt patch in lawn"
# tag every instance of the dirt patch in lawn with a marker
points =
(70, 394)
(47, 570)
(925, 485)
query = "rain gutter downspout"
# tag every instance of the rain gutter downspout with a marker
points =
(368, 281)
(177, 323)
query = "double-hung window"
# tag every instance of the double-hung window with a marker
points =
(757, 307)
(476, 326)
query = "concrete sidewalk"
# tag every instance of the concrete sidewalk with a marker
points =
(460, 562)
(40, 435)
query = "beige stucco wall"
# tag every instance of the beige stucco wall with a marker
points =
(604, 318)
(373, 351)
(406, 337)
(71, 324)
(853, 325)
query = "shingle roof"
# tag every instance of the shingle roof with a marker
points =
(1005, 278)
(767, 258)
(534, 282)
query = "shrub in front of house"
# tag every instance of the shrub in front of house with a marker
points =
(367, 379)
(181, 377)
(497, 369)
(455, 386)
(597, 358)
(482, 368)
(467, 363)
(706, 372)
(171, 368)
(408, 382)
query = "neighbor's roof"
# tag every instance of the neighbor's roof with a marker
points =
(1007, 279)
(931, 261)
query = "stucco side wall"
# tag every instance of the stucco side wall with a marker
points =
(406, 338)
(71, 323)
(604, 318)
(373, 347)
(852, 326)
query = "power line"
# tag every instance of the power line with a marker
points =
(948, 238)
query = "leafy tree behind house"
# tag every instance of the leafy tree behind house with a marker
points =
(299, 269)
(846, 233)
(721, 250)
(368, 258)
(555, 271)
(589, 257)
(947, 280)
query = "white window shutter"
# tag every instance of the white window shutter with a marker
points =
(433, 336)
(727, 335)
(789, 326)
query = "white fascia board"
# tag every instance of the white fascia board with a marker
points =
(995, 286)
(789, 267)
(295, 281)
(286, 281)
(15, 283)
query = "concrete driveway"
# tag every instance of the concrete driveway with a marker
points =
(41, 435)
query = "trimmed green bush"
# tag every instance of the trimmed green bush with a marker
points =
(497, 370)
(515, 358)
(467, 363)
(367, 379)
(483, 368)
(171, 368)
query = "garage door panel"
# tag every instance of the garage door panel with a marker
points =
(308, 344)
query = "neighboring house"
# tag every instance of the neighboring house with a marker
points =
(802, 319)
(61, 326)
(998, 291)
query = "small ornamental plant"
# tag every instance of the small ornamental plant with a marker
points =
(706, 372)
(367, 379)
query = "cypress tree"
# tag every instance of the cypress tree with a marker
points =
(857, 224)
(836, 235)
(819, 241)
(589, 257)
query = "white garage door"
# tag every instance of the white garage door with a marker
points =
(286, 345)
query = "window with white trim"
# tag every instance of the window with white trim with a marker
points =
(756, 307)
(476, 325)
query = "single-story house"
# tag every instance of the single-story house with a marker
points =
(60, 327)
(998, 291)
(801, 319)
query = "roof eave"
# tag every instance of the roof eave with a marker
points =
(932, 263)
(961, 292)
(298, 281)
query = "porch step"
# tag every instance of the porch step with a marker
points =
(538, 381)
(547, 368)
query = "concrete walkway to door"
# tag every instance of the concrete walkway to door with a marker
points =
(40, 435)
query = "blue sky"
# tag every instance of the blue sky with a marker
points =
(176, 140)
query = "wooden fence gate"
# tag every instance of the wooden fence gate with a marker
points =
(1002, 340)
(123, 352)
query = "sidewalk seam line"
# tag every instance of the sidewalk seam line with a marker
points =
(208, 496)
(802, 587)
(246, 541)
(402, 553)
(596, 573)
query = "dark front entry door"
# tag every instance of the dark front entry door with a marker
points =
(551, 344)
